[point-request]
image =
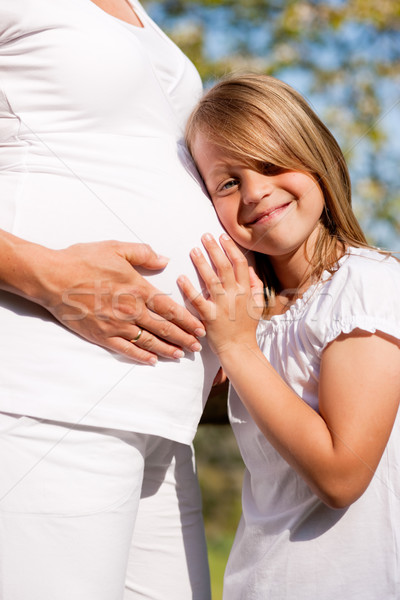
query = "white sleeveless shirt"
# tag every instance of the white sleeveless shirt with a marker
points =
(91, 116)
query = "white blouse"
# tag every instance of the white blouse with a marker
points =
(289, 544)
(91, 117)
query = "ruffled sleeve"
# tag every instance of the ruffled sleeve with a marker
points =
(363, 294)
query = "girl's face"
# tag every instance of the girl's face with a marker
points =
(273, 212)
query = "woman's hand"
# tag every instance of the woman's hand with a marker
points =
(232, 302)
(94, 290)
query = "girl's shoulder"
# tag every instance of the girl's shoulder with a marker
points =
(360, 270)
(362, 294)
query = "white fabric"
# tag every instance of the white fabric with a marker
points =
(91, 114)
(289, 545)
(65, 534)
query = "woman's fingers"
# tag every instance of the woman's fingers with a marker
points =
(167, 333)
(144, 347)
(185, 327)
(117, 301)
(116, 297)
(145, 340)
(131, 351)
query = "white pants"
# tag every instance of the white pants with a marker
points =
(97, 514)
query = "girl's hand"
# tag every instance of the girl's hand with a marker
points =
(232, 302)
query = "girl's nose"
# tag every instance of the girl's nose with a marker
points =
(256, 187)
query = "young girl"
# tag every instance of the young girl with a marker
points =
(314, 397)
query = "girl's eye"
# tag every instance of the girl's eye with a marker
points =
(230, 184)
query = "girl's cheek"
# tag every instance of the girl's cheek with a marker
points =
(226, 222)
(220, 212)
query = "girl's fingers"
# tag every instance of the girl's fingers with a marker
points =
(195, 298)
(209, 276)
(255, 282)
(236, 258)
(220, 261)
(257, 289)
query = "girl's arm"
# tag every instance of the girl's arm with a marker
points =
(94, 290)
(337, 450)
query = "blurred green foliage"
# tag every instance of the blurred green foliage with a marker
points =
(220, 470)
(343, 55)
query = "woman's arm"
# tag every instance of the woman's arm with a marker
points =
(94, 290)
(337, 450)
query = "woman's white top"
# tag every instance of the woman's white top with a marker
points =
(91, 116)
(289, 545)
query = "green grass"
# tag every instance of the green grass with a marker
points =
(218, 552)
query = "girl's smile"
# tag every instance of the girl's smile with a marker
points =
(270, 215)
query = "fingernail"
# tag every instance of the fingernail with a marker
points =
(161, 257)
(199, 332)
(153, 361)
(225, 236)
(207, 237)
(196, 251)
(196, 347)
(178, 354)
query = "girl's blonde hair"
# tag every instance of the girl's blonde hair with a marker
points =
(259, 119)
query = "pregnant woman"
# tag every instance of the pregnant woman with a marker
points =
(98, 492)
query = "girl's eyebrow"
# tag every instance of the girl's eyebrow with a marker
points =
(216, 170)
(223, 165)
